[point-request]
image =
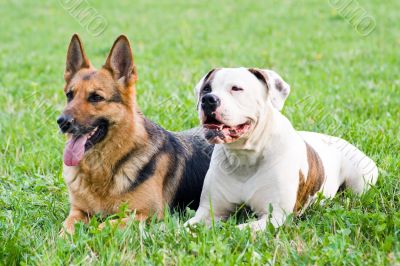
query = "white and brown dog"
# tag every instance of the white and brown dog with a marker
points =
(259, 158)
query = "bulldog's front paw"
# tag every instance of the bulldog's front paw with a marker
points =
(255, 226)
(191, 222)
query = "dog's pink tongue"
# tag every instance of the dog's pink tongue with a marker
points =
(74, 150)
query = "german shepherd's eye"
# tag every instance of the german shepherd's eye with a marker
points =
(207, 88)
(95, 98)
(70, 96)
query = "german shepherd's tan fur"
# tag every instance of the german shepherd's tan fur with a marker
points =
(134, 161)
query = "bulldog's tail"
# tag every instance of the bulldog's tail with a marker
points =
(359, 171)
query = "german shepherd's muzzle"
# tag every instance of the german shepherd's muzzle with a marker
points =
(83, 137)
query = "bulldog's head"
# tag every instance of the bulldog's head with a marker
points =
(231, 100)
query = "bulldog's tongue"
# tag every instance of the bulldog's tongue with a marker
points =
(74, 150)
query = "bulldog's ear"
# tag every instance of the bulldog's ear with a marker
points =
(120, 61)
(278, 89)
(200, 85)
(76, 58)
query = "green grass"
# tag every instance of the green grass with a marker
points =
(342, 84)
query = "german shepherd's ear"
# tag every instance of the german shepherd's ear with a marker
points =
(120, 62)
(76, 58)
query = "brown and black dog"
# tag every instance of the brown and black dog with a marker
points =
(114, 155)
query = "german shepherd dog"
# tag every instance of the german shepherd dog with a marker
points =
(114, 155)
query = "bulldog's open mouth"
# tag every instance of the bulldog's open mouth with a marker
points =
(78, 144)
(217, 132)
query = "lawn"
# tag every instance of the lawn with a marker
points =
(343, 83)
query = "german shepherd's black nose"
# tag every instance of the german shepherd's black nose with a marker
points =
(65, 123)
(209, 103)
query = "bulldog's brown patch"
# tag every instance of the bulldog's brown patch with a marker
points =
(314, 181)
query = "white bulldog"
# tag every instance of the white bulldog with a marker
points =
(259, 158)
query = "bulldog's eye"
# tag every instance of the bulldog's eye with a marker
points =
(95, 98)
(234, 88)
(70, 96)
(207, 89)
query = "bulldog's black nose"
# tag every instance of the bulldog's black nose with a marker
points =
(65, 122)
(210, 102)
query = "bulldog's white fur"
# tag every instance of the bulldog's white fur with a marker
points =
(268, 167)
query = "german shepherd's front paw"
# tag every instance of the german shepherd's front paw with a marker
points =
(75, 215)
(121, 223)
(68, 228)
